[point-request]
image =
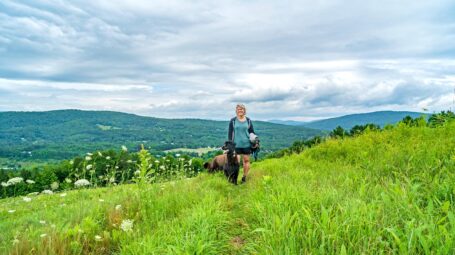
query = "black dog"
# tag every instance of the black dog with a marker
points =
(232, 166)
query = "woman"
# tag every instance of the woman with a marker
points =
(240, 128)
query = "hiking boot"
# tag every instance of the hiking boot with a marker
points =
(244, 179)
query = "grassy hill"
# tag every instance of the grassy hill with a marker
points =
(67, 133)
(381, 118)
(389, 192)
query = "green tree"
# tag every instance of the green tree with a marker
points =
(338, 132)
(441, 118)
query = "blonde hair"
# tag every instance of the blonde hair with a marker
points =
(240, 106)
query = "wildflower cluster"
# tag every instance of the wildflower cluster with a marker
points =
(100, 169)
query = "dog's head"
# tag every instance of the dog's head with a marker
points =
(229, 146)
(255, 144)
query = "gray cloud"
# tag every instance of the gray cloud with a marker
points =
(288, 59)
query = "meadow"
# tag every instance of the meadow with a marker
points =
(380, 192)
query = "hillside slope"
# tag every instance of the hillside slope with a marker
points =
(380, 118)
(379, 193)
(67, 133)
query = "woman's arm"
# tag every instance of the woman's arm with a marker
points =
(230, 130)
(251, 129)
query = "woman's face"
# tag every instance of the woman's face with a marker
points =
(240, 111)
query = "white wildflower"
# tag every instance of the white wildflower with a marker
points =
(15, 180)
(101, 200)
(98, 238)
(11, 211)
(54, 185)
(127, 225)
(112, 179)
(68, 180)
(30, 181)
(116, 167)
(124, 148)
(108, 157)
(42, 222)
(100, 154)
(88, 158)
(71, 162)
(137, 172)
(89, 154)
(157, 161)
(4, 184)
(177, 155)
(88, 167)
(81, 183)
(47, 192)
(162, 167)
(33, 194)
(190, 162)
(43, 235)
(129, 161)
(63, 195)
(118, 207)
(27, 199)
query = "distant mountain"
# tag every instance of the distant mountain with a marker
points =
(380, 118)
(64, 134)
(288, 122)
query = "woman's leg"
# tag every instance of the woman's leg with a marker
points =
(246, 164)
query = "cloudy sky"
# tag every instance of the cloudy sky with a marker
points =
(299, 60)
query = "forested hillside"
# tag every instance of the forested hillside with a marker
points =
(64, 134)
(380, 118)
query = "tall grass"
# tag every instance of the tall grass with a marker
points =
(388, 192)
(384, 192)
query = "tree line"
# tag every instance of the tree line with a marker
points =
(435, 120)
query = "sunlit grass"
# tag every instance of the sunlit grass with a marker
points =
(380, 193)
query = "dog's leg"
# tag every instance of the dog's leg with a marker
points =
(231, 173)
(236, 174)
(226, 173)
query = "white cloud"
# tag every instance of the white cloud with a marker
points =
(293, 59)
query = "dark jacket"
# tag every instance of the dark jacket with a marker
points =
(231, 128)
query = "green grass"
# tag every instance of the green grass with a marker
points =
(389, 192)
